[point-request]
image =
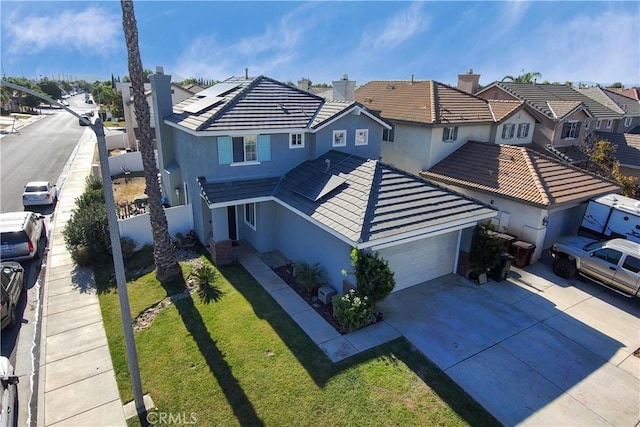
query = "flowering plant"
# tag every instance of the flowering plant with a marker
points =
(352, 310)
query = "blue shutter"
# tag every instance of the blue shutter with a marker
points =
(225, 153)
(264, 148)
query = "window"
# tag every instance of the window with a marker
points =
(296, 140)
(244, 149)
(609, 255)
(250, 215)
(523, 130)
(570, 130)
(239, 150)
(450, 134)
(339, 138)
(508, 130)
(362, 136)
(631, 263)
(627, 121)
(598, 124)
(609, 123)
(389, 134)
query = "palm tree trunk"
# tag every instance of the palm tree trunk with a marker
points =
(164, 253)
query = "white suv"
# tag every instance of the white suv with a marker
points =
(21, 234)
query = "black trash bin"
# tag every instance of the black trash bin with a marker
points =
(499, 273)
(522, 252)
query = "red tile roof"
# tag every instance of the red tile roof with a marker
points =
(520, 173)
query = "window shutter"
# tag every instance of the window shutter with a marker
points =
(264, 148)
(455, 133)
(225, 156)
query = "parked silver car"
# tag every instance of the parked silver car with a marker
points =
(612, 263)
(12, 280)
(21, 234)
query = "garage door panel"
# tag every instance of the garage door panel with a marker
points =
(562, 223)
(421, 260)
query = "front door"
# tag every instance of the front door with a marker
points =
(231, 219)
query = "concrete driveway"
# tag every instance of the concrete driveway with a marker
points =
(534, 349)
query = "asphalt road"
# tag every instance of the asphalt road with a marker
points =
(38, 152)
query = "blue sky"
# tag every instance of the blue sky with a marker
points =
(565, 41)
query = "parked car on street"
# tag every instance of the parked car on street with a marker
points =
(20, 235)
(39, 193)
(8, 411)
(12, 278)
(82, 121)
(614, 264)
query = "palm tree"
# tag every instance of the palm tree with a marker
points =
(164, 253)
(523, 78)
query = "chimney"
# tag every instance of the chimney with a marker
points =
(469, 82)
(344, 90)
(303, 84)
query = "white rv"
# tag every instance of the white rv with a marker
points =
(612, 216)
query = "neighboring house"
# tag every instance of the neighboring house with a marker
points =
(566, 114)
(178, 93)
(286, 170)
(627, 151)
(633, 93)
(539, 197)
(340, 90)
(628, 108)
(431, 120)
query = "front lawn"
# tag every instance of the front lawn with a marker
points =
(243, 361)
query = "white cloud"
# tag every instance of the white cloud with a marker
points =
(90, 30)
(403, 26)
(268, 53)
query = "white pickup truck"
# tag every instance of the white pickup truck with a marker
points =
(612, 263)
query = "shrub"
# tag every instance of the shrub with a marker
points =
(374, 278)
(352, 310)
(309, 276)
(205, 277)
(93, 182)
(128, 246)
(80, 255)
(485, 249)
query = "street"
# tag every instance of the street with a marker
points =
(41, 150)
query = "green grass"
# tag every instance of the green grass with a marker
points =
(243, 361)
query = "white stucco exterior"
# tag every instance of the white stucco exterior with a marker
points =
(520, 118)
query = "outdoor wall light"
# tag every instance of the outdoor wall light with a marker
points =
(545, 221)
(177, 189)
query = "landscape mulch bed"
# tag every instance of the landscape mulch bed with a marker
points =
(285, 272)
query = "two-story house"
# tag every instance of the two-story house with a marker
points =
(480, 148)
(282, 169)
(431, 120)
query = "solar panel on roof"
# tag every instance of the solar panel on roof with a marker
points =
(203, 103)
(319, 186)
(218, 89)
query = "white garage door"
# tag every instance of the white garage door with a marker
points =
(421, 260)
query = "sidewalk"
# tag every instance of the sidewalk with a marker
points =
(76, 383)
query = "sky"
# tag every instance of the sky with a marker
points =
(578, 41)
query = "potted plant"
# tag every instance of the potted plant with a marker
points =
(486, 250)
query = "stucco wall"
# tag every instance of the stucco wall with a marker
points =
(439, 149)
(521, 117)
(351, 122)
(580, 116)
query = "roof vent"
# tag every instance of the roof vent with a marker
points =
(327, 162)
(345, 77)
(391, 87)
(246, 74)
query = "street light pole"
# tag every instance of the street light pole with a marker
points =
(116, 248)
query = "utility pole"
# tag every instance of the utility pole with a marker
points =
(116, 248)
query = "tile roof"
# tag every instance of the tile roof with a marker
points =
(223, 192)
(613, 100)
(518, 172)
(376, 201)
(363, 200)
(503, 109)
(422, 101)
(329, 110)
(561, 109)
(632, 93)
(255, 103)
(627, 146)
(540, 95)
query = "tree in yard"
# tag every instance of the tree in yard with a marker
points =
(164, 253)
(50, 88)
(523, 78)
(600, 155)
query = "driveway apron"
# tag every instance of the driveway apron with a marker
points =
(534, 349)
